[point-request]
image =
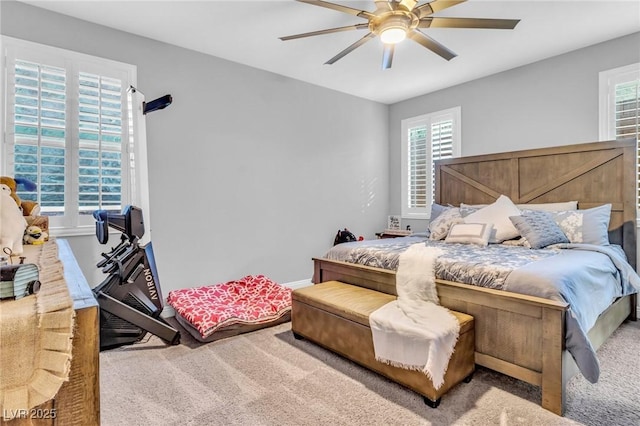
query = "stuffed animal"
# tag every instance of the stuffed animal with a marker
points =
(29, 208)
(12, 223)
(35, 235)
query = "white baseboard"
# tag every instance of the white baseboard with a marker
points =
(298, 284)
(168, 311)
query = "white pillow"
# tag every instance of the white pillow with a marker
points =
(470, 233)
(550, 207)
(547, 207)
(497, 214)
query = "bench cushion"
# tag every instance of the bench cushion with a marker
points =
(345, 300)
(355, 303)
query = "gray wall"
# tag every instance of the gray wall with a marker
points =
(312, 159)
(548, 103)
(251, 172)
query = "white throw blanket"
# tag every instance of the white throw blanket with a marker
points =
(414, 331)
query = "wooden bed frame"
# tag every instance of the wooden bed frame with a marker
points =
(517, 335)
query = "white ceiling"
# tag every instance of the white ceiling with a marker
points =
(247, 32)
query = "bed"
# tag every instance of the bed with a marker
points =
(520, 335)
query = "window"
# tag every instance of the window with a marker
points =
(424, 139)
(620, 105)
(67, 130)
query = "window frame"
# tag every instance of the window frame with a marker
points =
(607, 81)
(73, 223)
(455, 114)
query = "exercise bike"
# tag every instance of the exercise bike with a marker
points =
(130, 297)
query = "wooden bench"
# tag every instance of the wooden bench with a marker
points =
(335, 315)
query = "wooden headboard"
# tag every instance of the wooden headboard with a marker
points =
(592, 174)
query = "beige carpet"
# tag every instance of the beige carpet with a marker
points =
(269, 378)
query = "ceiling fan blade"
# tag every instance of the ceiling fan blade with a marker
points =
(384, 5)
(436, 6)
(431, 44)
(351, 48)
(387, 56)
(499, 24)
(339, 8)
(328, 31)
(408, 4)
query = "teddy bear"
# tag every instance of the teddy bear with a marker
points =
(12, 223)
(29, 208)
(35, 235)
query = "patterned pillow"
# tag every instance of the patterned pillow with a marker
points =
(539, 228)
(590, 226)
(436, 210)
(571, 224)
(469, 233)
(439, 227)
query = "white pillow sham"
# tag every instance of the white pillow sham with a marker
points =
(497, 214)
(547, 207)
(470, 233)
(550, 207)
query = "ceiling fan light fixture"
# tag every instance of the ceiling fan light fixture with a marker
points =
(394, 29)
(393, 35)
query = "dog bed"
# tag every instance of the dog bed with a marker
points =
(222, 310)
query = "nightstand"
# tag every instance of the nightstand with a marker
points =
(382, 235)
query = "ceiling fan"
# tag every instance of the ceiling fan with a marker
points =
(393, 21)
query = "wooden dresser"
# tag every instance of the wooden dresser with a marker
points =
(78, 400)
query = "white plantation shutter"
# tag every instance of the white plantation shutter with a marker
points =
(39, 145)
(627, 116)
(67, 131)
(418, 167)
(425, 139)
(441, 146)
(100, 143)
(620, 107)
(627, 111)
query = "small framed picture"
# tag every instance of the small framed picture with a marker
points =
(393, 222)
